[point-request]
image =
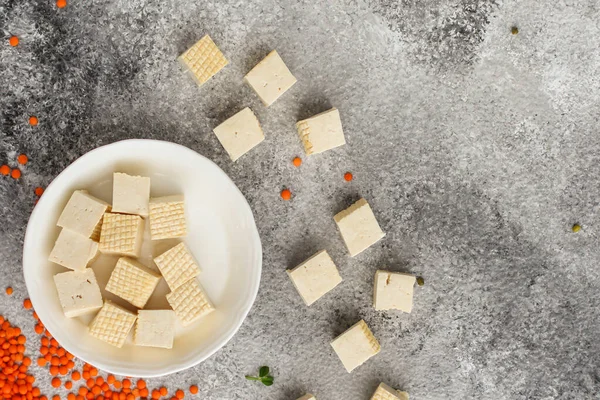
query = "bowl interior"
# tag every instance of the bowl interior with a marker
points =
(222, 236)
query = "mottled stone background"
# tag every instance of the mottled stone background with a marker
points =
(477, 149)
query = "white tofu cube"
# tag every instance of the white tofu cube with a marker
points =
(83, 214)
(393, 291)
(132, 281)
(358, 227)
(131, 194)
(385, 392)
(315, 277)
(307, 397)
(73, 250)
(112, 324)
(270, 78)
(177, 266)
(356, 345)
(122, 234)
(78, 292)
(203, 60)
(190, 302)
(240, 133)
(155, 328)
(167, 217)
(321, 132)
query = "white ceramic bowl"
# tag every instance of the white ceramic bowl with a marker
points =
(222, 236)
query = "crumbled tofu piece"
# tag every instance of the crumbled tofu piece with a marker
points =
(132, 281)
(358, 227)
(203, 60)
(393, 291)
(356, 345)
(122, 234)
(73, 250)
(82, 214)
(131, 194)
(112, 324)
(155, 328)
(167, 217)
(321, 132)
(177, 266)
(385, 392)
(270, 78)
(315, 277)
(190, 302)
(78, 292)
(308, 397)
(240, 133)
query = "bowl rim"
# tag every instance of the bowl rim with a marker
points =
(240, 316)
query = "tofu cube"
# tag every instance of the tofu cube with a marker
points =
(177, 266)
(356, 345)
(240, 133)
(122, 234)
(155, 328)
(131, 194)
(358, 227)
(132, 281)
(385, 392)
(83, 214)
(73, 250)
(321, 132)
(270, 78)
(315, 277)
(203, 60)
(190, 302)
(167, 217)
(307, 397)
(78, 292)
(393, 291)
(112, 324)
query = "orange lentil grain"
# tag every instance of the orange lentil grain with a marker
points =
(43, 350)
(27, 304)
(348, 176)
(56, 397)
(90, 383)
(105, 387)
(41, 362)
(79, 397)
(22, 159)
(93, 371)
(76, 375)
(9, 290)
(54, 370)
(179, 394)
(156, 394)
(130, 396)
(193, 389)
(33, 121)
(61, 3)
(15, 173)
(14, 41)
(144, 392)
(5, 170)
(286, 194)
(163, 391)
(110, 379)
(118, 384)
(86, 375)
(96, 390)
(63, 360)
(89, 396)
(68, 384)
(83, 390)
(99, 381)
(141, 384)
(71, 396)
(126, 383)
(63, 370)
(39, 330)
(56, 382)
(297, 162)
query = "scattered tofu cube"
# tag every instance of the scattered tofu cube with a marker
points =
(167, 217)
(203, 60)
(315, 277)
(270, 78)
(385, 392)
(83, 214)
(356, 345)
(177, 266)
(190, 302)
(112, 324)
(131, 194)
(393, 291)
(358, 227)
(240, 133)
(122, 234)
(73, 250)
(321, 132)
(132, 281)
(155, 328)
(78, 292)
(308, 397)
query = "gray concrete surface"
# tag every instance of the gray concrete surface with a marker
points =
(477, 149)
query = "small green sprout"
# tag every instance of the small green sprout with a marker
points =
(263, 376)
(420, 281)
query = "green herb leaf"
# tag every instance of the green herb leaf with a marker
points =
(267, 380)
(263, 371)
